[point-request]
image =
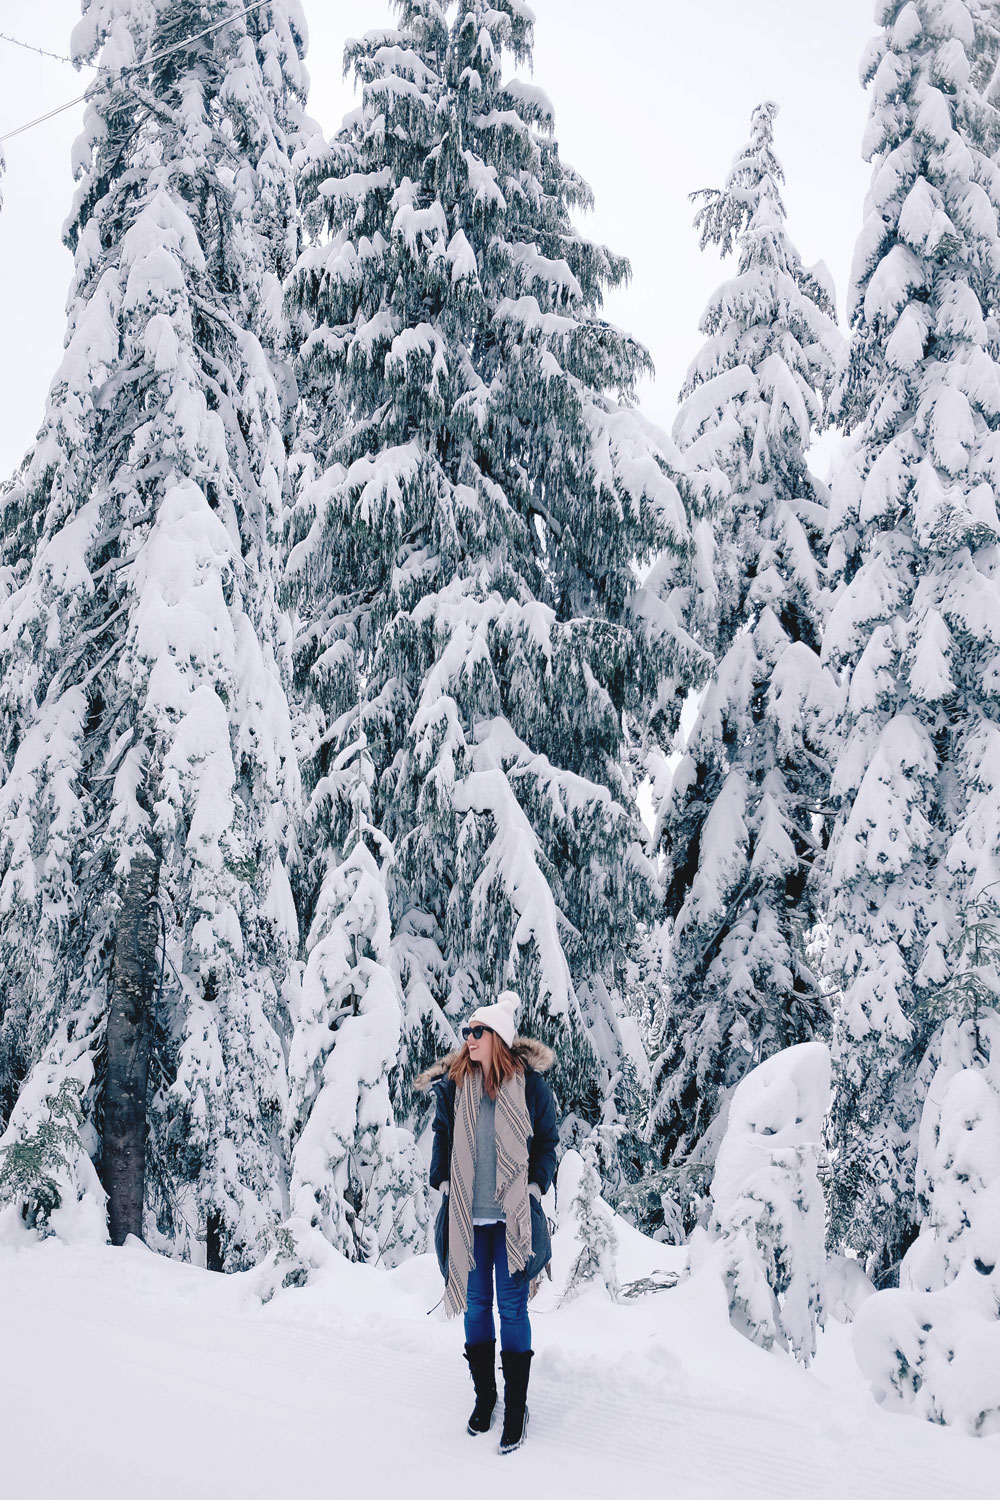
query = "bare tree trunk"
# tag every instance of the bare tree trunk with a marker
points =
(133, 977)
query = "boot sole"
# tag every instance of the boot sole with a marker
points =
(479, 1431)
(513, 1447)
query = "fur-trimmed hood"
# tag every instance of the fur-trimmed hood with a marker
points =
(533, 1054)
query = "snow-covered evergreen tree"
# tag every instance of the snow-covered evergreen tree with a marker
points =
(916, 626)
(142, 706)
(738, 822)
(468, 552)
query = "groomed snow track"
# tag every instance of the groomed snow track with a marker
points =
(129, 1377)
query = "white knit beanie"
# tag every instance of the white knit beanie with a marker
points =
(499, 1017)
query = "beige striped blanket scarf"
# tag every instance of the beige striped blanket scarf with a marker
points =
(513, 1127)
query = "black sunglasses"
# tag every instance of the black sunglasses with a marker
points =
(475, 1031)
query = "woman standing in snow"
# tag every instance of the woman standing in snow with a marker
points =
(494, 1156)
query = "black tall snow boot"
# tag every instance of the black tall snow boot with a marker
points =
(482, 1361)
(516, 1368)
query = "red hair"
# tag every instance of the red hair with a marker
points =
(503, 1065)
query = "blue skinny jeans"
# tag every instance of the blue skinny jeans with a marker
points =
(490, 1252)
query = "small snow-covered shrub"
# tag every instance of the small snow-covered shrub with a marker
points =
(767, 1230)
(356, 1182)
(48, 1183)
(935, 1354)
(589, 1223)
(845, 1288)
(933, 1346)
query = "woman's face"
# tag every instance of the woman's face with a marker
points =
(481, 1052)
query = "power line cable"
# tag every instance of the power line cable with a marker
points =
(147, 62)
(29, 47)
(40, 119)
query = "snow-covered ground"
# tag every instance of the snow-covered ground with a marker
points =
(126, 1376)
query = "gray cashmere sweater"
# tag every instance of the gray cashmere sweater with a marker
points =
(485, 1208)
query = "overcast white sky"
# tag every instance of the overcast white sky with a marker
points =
(652, 99)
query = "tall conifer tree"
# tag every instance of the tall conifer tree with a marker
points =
(916, 627)
(143, 714)
(469, 556)
(738, 823)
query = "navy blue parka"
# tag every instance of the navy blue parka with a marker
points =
(543, 1143)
